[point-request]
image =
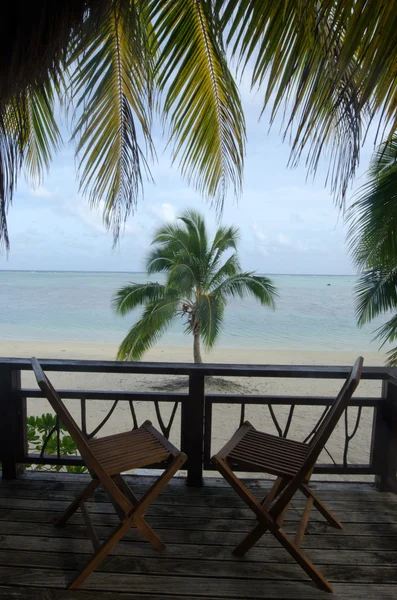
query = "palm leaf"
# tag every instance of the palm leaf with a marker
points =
(201, 97)
(392, 357)
(111, 85)
(156, 318)
(209, 309)
(11, 158)
(230, 268)
(301, 64)
(12, 144)
(196, 232)
(28, 136)
(225, 238)
(241, 284)
(373, 216)
(43, 137)
(376, 293)
(135, 294)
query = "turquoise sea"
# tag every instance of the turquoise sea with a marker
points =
(313, 312)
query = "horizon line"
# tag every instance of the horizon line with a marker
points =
(144, 272)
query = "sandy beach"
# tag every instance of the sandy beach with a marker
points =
(225, 417)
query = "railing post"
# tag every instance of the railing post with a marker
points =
(192, 429)
(384, 440)
(13, 444)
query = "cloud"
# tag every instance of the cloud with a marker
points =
(283, 240)
(42, 193)
(165, 211)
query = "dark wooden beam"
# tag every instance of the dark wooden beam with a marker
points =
(13, 443)
(213, 369)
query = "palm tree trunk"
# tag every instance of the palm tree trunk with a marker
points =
(196, 348)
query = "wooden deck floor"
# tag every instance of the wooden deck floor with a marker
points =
(200, 528)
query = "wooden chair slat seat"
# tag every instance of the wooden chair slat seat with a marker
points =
(272, 454)
(293, 463)
(136, 449)
(106, 459)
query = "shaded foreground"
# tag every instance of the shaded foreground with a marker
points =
(200, 527)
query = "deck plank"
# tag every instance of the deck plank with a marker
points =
(200, 528)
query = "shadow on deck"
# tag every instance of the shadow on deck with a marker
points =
(200, 527)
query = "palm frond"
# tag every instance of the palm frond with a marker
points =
(387, 333)
(225, 238)
(12, 138)
(135, 294)
(373, 216)
(376, 293)
(181, 250)
(241, 284)
(209, 309)
(159, 261)
(172, 237)
(196, 232)
(201, 97)
(392, 357)
(185, 275)
(155, 320)
(43, 137)
(301, 63)
(230, 268)
(110, 83)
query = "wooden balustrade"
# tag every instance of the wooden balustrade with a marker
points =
(196, 411)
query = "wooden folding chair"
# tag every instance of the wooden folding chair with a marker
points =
(106, 458)
(293, 463)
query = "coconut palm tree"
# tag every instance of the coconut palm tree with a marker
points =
(329, 67)
(199, 281)
(373, 243)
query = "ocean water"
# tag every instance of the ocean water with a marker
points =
(312, 313)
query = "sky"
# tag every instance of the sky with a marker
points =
(288, 223)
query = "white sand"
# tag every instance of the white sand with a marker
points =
(225, 417)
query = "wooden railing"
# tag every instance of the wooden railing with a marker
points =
(196, 412)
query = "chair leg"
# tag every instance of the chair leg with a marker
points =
(250, 540)
(303, 524)
(302, 560)
(251, 501)
(86, 493)
(269, 522)
(239, 488)
(142, 526)
(101, 553)
(320, 506)
(260, 529)
(147, 532)
(160, 483)
(134, 518)
(267, 500)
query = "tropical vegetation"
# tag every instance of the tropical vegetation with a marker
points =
(199, 280)
(46, 433)
(373, 243)
(329, 67)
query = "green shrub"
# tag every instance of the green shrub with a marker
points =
(38, 429)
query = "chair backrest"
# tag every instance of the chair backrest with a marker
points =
(83, 446)
(64, 415)
(335, 412)
(322, 436)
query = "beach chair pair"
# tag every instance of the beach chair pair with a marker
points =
(291, 462)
